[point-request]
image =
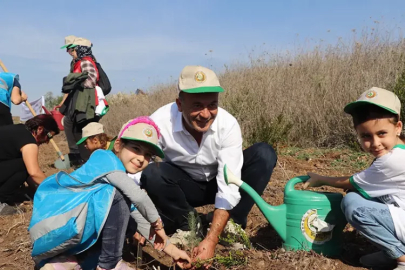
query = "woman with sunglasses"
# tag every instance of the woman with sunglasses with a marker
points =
(19, 147)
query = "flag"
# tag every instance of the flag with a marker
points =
(36, 106)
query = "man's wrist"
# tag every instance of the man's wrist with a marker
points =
(212, 239)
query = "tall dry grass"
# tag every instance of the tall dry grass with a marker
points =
(291, 97)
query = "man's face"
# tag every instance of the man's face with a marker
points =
(199, 110)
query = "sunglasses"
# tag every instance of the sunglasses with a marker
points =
(49, 135)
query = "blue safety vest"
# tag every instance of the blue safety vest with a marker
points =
(70, 209)
(6, 87)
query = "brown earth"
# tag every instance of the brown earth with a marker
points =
(15, 245)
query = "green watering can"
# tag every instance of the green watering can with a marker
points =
(307, 220)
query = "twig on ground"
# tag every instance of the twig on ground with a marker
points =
(262, 247)
(18, 223)
(4, 264)
(282, 168)
(145, 264)
(137, 254)
(255, 227)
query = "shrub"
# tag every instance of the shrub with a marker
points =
(295, 97)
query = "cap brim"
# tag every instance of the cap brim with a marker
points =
(157, 150)
(353, 106)
(81, 140)
(67, 45)
(205, 89)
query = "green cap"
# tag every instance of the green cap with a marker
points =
(379, 97)
(91, 129)
(142, 132)
(68, 41)
(198, 79)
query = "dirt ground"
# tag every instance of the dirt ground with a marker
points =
(267, 253)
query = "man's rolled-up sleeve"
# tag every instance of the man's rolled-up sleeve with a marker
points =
(230, 154)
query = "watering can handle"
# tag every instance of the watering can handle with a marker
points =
(291, 184)
(56, 107)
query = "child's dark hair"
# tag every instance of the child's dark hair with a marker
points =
(103, 139)
(372, 112)
(45, 120)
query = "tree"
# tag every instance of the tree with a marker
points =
(52, 101)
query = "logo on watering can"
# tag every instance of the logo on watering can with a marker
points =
(314, 229)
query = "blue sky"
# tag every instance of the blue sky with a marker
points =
(143, 43)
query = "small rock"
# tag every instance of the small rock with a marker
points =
(1, 240)
(261, 265)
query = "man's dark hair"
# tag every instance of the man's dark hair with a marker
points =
(44, 120)
(181, 95)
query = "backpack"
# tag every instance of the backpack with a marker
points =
(70, 209)
(103, 80)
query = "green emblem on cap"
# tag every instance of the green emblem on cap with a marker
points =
(371, 94)
(199, 76)
(148, 132)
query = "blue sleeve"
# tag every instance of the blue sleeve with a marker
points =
(16, 83)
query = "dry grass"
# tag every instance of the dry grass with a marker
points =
(296, 97)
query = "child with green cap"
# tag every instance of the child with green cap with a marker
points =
(376, 208)
(134, 148)
(94, 137)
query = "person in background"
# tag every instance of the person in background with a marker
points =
(10, 92)
(79, 101)
(19, 147)
(69, 42)
(94, 138)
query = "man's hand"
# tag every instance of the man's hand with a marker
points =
(206, 248)
(204, 251)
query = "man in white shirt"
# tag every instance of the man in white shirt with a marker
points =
(198, 139)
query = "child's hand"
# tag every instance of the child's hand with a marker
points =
(179, 256)
(160, 238)
(313, 181)
(156, 228)
(139, 238)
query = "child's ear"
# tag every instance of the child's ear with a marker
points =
(400, 126)
(117, 146)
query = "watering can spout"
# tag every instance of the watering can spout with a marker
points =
(276, 215)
